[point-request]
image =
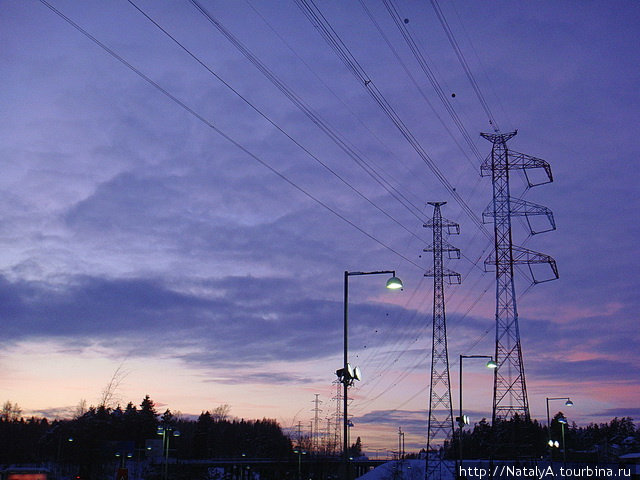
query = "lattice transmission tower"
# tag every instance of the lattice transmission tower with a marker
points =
(315, 432)
(440, 426)
(509, 386)
(336, 438)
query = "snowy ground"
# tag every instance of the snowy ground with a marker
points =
(401, 470)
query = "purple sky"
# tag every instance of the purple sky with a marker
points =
(134, 235)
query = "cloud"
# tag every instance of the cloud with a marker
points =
(411, 420)
(414, 422)
(619, 412)
(231, 321)
(128, 224)
(599, 369)
(263, 378)
(55, 412)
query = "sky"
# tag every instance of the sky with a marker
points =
(183, 189)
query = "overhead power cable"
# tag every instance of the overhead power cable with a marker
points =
(413, 46)
(345, 104)
(231, 140)
(330, 36)
(483, 69)
(235, 92)
(275, 125)
(424, 65)
(453, 363)
(414, 81)
(297, 101)
(465, 65)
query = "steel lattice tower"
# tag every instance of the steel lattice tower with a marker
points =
(440, 426)
(315, 437)
(509, 386)
(337, 418)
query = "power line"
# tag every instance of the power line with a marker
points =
(424, 65)
(297, 101)
(465, 65)
(316, 18)
(415, 82)
(268, 119)
(209, 124)
(311, 69)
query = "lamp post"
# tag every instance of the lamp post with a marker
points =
(123, 457)
(394, 283)
(60, 452)
(167, 432)
(563, 421)
(567, 403)
(463, 419)
(299, 452)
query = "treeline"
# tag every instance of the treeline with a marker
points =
(519, 437)
(97, 435)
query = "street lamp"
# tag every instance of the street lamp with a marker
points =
(166, 431)
(567, 403)
(299, 452)
(347, 375)
(122, 457)
(464, 419)
(563, 421)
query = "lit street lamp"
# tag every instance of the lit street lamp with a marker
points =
(122, 458)
(563, 422)
(59, 455)
(347, 374)
(464, 419)
(568, 403)
(299, 452)
(167, 432)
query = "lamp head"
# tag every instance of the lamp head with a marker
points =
(394, 283)
(568, 403)
(492, 364)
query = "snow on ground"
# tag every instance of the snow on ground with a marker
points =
(401, 470)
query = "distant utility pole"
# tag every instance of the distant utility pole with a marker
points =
(509, 386)
(315, 439)
(400, 444)
(440, 426)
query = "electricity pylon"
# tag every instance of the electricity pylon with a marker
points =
(509, 386)
(337, 417)
(315, 437)
(440, 426)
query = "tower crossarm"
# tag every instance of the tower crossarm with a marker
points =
(454, 252)
(453, 278)
(519, 207)
(452, 227)
(519, 161)
(524, 256)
